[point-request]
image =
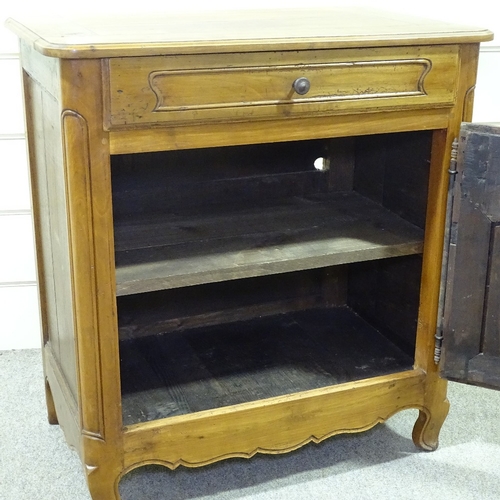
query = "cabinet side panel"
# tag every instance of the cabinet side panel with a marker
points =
(386, 293)
(393, 169)
(51, 229)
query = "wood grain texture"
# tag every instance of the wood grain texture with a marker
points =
(386, 293)
(185, 308)
(53, 263)
(393, 170)
(217, 178)
(319, 232)
(175, 89)
(318, 127)
(89, 216)
(76, 149)
(195, 216)
(279, 425)
(433, 414)
(471, 307)
(46, 72)
(238, 31)
(234, 363)
(491, 326)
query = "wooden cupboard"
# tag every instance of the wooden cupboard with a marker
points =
(240, 220)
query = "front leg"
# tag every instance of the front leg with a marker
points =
(102, 483)
(432, 416)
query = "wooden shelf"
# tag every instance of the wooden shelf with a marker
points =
(223, 365)
(175, 250)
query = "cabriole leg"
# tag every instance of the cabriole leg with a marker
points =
(431, 417)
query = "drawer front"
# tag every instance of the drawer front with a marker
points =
(261, 86)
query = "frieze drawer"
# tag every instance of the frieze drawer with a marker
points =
(200, 88)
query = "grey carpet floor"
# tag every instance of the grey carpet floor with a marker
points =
(35, 462)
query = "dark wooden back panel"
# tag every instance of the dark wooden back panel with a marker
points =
(390, 169)
(232, 176)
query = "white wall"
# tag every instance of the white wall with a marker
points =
(19, 316)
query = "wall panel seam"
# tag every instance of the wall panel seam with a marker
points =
(17, 284)
(21, 211)
(12, 137)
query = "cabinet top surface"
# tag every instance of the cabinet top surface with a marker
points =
(235, 31)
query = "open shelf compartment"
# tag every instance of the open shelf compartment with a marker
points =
(190, 217)
(245, 273)
(324, 230)
(224, 365)
(220, 344)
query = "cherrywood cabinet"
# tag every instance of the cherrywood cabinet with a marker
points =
(240, 220)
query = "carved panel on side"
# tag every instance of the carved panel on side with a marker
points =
(77, 159)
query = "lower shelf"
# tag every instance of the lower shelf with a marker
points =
(206, 368)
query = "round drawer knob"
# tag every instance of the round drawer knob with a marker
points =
(301, 85)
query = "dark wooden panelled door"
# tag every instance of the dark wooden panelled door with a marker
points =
(471, 329)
